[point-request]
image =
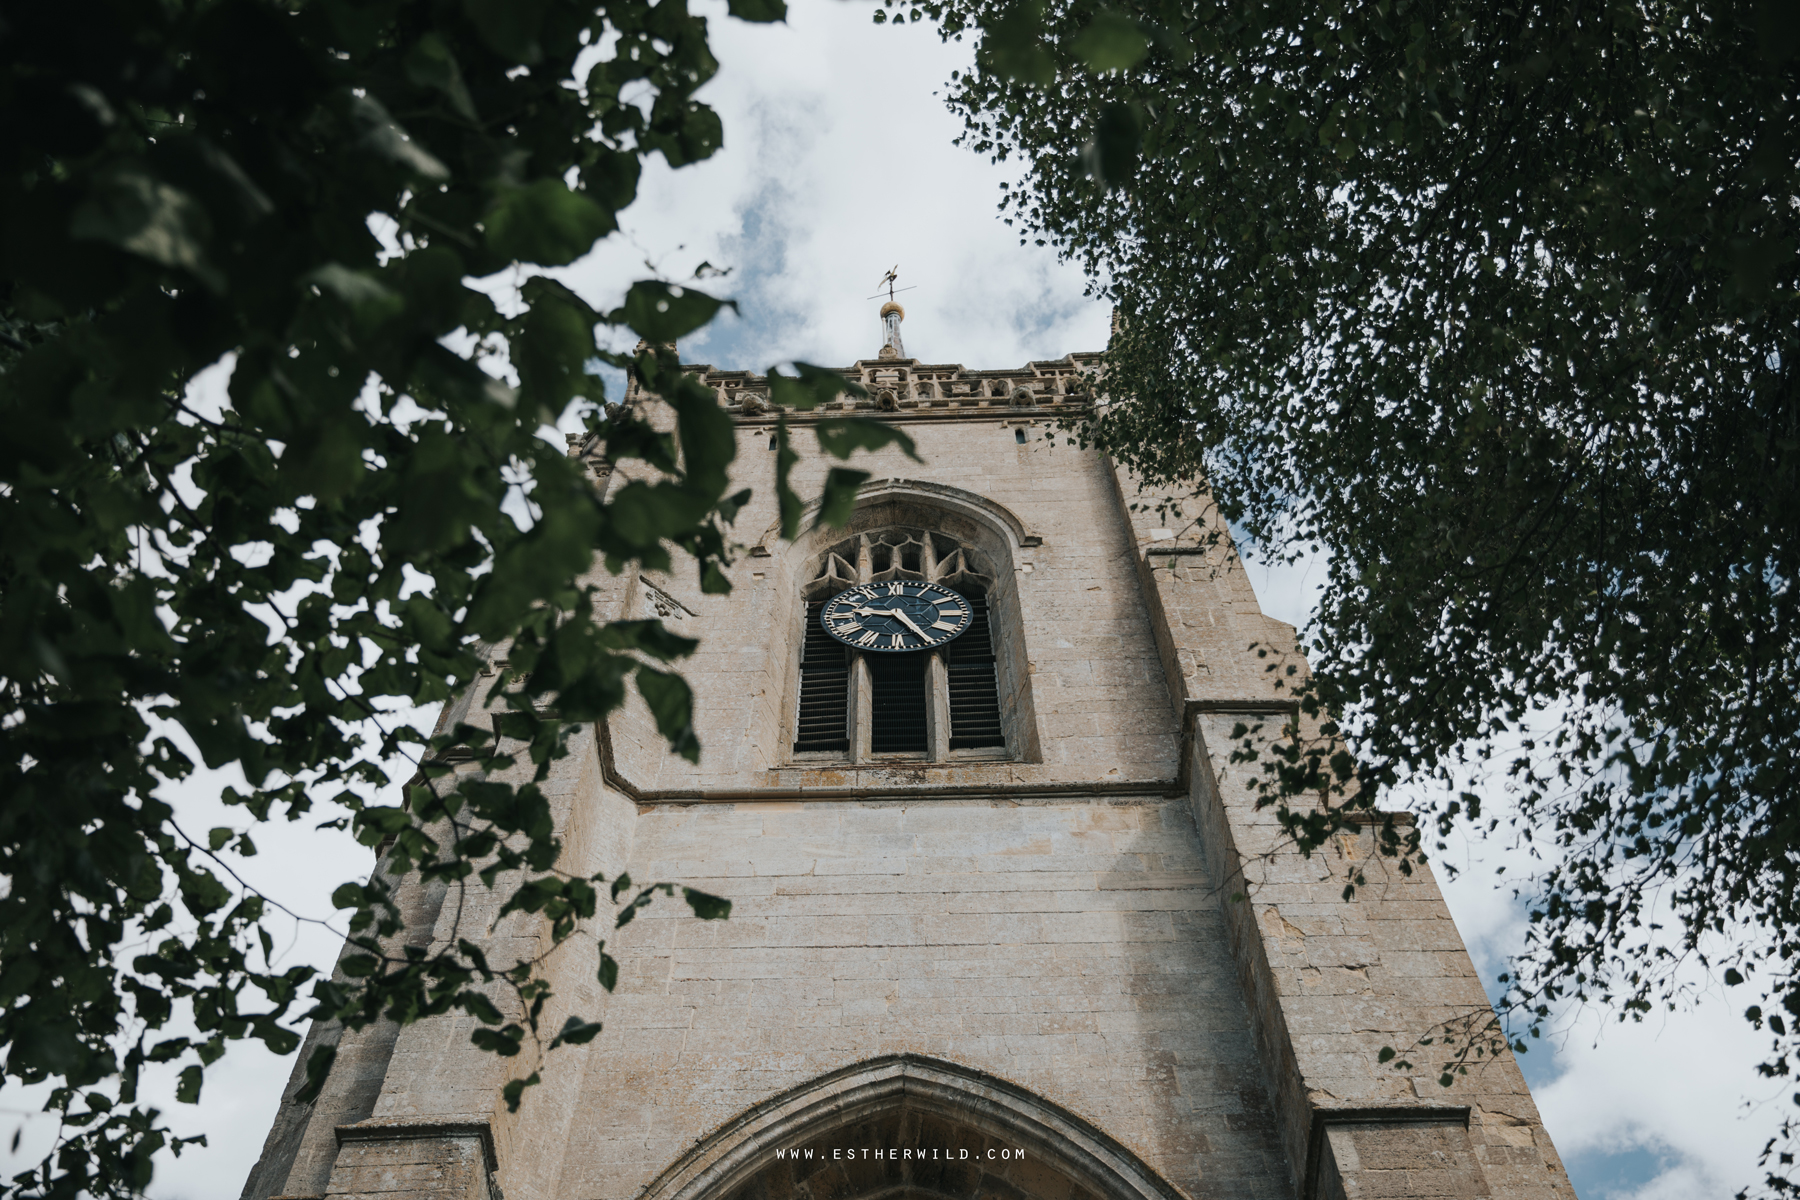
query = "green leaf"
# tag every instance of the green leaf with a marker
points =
(713, 580)
(554, 345)
(382, 136)
(1777, 28)
(514, 1091)
(325, 460)
(360, 24)
(787, 501)
(662, 312)
(509, 27)
(647, 513)
(545, 223)
(841, 437)
(608, 974)
(481, 1008)
(671, 703)
(429, 63)
(141, 214)
(732, 505)
(359, 966)
(837, 501)
(216, 838)
(505, 1041)
(376, 824)
(629, 436)
(370, 299)
(707, 435)
(1012, 44)
(576, 1032)
(810, 387)
(686, 135)
(707, 907)
(168, 1050)
(1112, 156)
(214, 178)
(187, 1087)
(1173, 43)
(1111, 42)
(277, 1039)
(651, 637)
(758, 10)
(610, 179)
(460, 380)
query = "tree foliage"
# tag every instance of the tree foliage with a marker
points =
(330, 195)
(1498, 307)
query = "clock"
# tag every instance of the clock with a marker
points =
(902, 614)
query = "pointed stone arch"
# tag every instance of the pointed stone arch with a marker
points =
(997, 538)
(970, 1126)
(878, 494)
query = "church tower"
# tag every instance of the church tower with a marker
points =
(1007, 922)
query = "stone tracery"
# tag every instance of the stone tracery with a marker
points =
(899, 553)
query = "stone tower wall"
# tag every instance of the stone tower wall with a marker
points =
(1103, 922)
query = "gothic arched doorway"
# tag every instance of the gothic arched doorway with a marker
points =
(909, 1128)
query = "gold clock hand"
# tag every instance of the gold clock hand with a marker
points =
(907, 621)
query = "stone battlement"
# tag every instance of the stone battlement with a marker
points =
(944, 390)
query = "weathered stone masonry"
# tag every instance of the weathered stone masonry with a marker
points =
(1089, 948)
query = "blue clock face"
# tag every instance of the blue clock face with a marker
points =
(902, 614)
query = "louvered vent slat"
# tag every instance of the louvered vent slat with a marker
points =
(974, 686)
(897, 703)
(824, 689)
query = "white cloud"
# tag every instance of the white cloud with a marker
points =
(838, 163)
(1678, 1086)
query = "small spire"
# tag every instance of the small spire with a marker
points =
(891, 316)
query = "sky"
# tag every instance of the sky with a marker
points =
(838, 164)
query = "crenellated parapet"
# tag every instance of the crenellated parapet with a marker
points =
(914, 389)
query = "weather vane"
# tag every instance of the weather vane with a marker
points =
(887, 281)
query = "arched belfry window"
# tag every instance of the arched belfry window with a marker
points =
(926, 704)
